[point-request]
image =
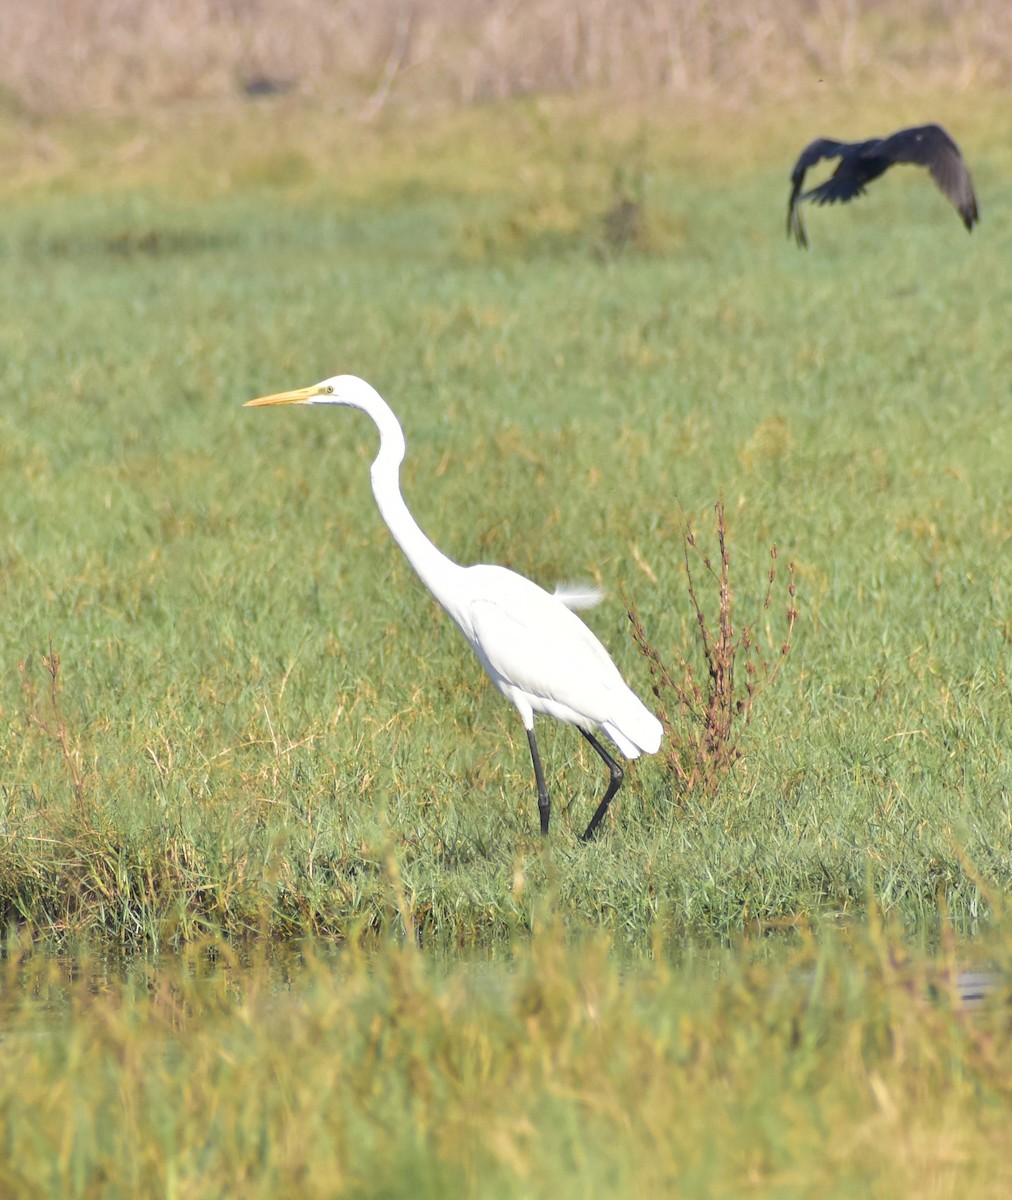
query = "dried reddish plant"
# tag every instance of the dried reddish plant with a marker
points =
(704, 718)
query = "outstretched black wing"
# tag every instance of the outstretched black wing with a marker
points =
(814, 152)
(861, 162)
(930, 146)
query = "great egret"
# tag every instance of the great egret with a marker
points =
(861, 162)
(537, 652)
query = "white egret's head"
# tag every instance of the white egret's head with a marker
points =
(351, 392)
(348, 390)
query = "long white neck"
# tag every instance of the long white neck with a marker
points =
(435, 570)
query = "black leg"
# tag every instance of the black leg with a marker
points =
(613, 786)
(544, 803)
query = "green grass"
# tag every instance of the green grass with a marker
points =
(273, 768)
(262, 705)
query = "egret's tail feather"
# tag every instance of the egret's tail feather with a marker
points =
(637, 731)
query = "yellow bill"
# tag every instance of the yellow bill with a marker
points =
(296, 396)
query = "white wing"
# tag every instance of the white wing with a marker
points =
(543, 657)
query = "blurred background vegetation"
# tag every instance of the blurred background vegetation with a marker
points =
(360, 56)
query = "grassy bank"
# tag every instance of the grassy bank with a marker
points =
(259, 714)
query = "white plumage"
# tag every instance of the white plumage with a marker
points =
(535, 648)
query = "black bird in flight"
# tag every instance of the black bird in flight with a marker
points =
(861, 162)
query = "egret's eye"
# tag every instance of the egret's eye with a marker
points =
(328, 390)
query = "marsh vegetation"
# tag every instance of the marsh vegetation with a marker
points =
(279, 919)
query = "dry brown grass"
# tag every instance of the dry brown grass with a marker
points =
(72, 55)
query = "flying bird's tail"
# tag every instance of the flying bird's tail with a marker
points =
(796, 223)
